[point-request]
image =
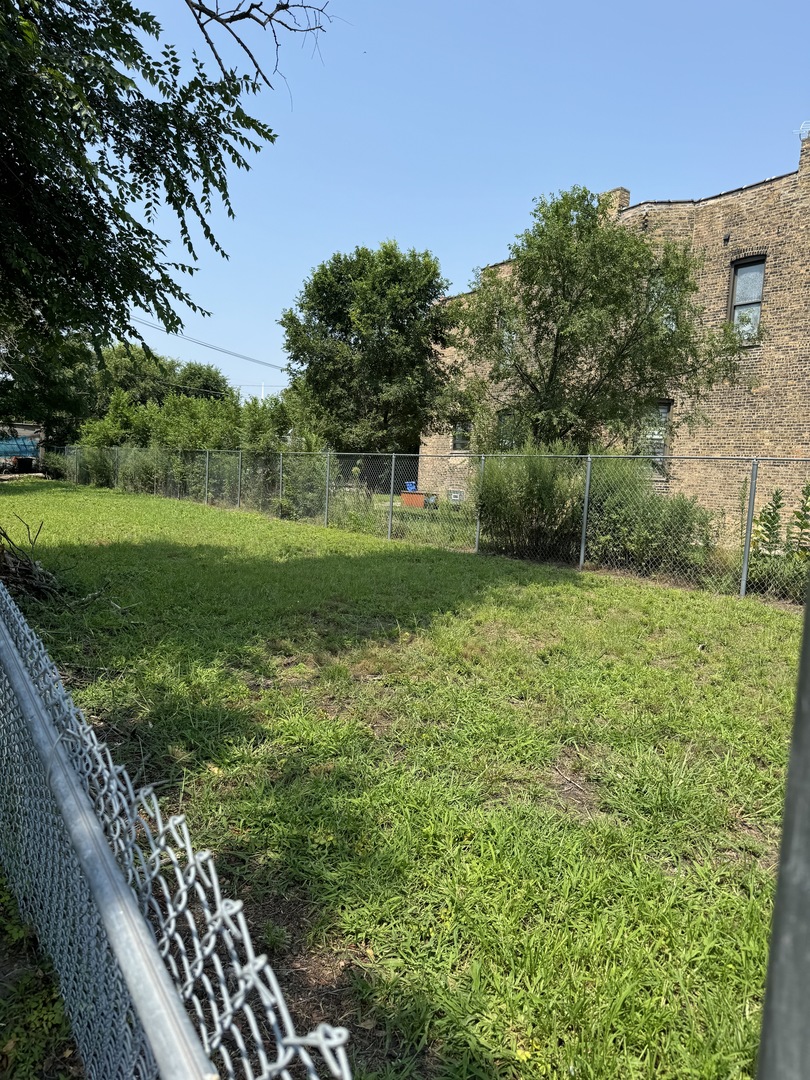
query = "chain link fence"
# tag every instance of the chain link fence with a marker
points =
(732, 525)
(397, 496)
(156, 967)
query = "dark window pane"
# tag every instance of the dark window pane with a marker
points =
(507, 430)
(654, 441)
(461, 436)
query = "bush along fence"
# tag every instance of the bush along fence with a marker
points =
(156, 967)
(734, 525)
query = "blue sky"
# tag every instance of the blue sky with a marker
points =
(436, 123)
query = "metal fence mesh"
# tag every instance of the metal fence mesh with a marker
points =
(231, 994)
(53, 893)
(684, 520)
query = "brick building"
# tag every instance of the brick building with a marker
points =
(755, 243)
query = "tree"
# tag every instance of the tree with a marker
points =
(202, 380)
(51, 385)
(102, 123)
(145, 376)
(188, 422)
(590, 326)
(364, 342)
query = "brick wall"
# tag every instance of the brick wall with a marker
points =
(768, 413)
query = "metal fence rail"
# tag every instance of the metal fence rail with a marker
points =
(156, 967)
(730, 525)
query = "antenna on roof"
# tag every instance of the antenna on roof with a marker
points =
(804, 131)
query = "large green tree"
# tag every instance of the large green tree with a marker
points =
(102, 124)
(365, 342)
(590, 326)
(112, 143)
(145, 376)
(52, 385)
(203, 380)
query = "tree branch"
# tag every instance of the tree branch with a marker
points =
(232, 16)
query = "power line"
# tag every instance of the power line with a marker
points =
(208, 345)
(203, 392)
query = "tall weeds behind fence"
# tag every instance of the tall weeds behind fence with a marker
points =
(731, 525)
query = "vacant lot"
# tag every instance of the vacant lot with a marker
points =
(501, 820)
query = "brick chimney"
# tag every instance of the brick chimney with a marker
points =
(618, 200)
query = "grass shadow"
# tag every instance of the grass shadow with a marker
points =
(381, 743)
(196, 665)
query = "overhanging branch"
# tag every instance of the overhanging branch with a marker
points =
(234, 16)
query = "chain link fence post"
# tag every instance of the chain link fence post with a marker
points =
(478, 507)
(585, 505)
(749, 525)
(326, 500)
(239, 483)
(784, 1050)
(207, 455)
(391, 500)
(117, 466)
(280, 481)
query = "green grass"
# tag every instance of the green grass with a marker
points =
(35, 1040)
(501, 820)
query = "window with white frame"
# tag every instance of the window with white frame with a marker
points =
(654, 437)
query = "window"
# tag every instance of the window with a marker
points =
(654, 438)
(746, 295)
(507, 430)
(461, 435)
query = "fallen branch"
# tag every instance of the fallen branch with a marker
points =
(21, 573)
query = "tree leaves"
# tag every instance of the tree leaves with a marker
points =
(364, 342)
(591, 325)
(104, 127)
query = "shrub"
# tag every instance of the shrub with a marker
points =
(633, 525)
(353, 508)
(149, 469)
(798, 533)
(779, 565)
(532, 505)
(55, 466)
(767, 533)
(784, 575)
(304, 485)
(97, 466)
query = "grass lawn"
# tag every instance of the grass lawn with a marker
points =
(501, 820)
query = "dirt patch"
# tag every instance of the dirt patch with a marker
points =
(320, 984)
(568, 780)
(758, 841)
(256, 684)
(296, 671)
(375, 667)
